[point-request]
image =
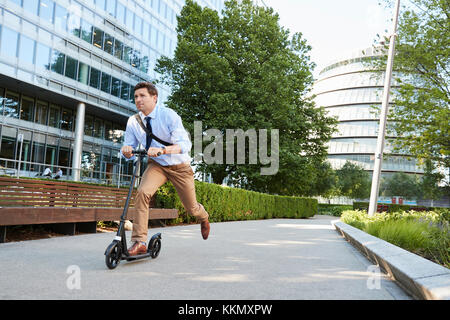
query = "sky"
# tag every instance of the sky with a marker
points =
(334, 28)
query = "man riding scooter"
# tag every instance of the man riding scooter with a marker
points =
(167, 144)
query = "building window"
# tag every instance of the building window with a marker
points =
(127, 54)
(108, 44)
(26, 49)
(41, 113)
(106, 83)
(25, 150)
(31, 6)
(108, 131)
(46, 10)
(118, 48)
(63, 157)
(71, 68)
(98, 38)
(61, 17)
(138, 25)
(38, 156)
(27, 109)
(50, 155)
(66, 119)
(135, 59)
(83, 73)
(100, 4)
(9, 42)
(57, 61)
(74, 26)
(98, 128)
(115, 89)
(86, 31)
(89, 125)
(125, 92)
(54, 116)
(146, 31)
(7, 150)
(95, 78)
(120, 14)
(11, 108)
(129, 19)
(42, 56)
(111, 7)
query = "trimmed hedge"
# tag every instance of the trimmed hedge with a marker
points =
(395, 207)
(333, 209)
(232, 204)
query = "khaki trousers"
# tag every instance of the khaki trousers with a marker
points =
(182, 178)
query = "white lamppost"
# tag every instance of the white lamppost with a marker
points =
(383, 116)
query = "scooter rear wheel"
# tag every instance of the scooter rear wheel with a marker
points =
(155, 248)
(113, 255)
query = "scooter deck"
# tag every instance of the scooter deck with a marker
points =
(136, 257)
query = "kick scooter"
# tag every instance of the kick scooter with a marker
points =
(117, 250)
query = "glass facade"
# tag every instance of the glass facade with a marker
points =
(67, 52)
(352, 93)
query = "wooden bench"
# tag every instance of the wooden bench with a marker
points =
(65, 206)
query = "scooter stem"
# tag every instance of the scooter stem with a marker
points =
(130, 191)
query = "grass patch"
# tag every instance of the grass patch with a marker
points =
(424, 233)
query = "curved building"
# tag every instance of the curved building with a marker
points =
(67, 72)
(350, 91)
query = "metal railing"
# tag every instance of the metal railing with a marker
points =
(35, 170)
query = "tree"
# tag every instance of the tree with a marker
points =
(242, 71)
(401, 184)
(420, 112)
(430, 182)
(325, 183)
(353, 181)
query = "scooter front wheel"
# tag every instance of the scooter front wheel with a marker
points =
(154, 247)
(113, 255)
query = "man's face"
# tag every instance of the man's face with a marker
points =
(144, 101)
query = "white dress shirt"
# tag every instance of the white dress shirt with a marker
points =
(167, 126)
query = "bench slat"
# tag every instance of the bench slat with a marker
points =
(44, 215)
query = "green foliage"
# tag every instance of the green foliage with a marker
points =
(397, 207)
(231, 204)
(420, 113)
(401, 184)
(429, 184)
(242, 70)
(353, 181)
(424, 233)
(333, 209)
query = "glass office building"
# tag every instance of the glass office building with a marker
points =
(350, 91)
(67, 72)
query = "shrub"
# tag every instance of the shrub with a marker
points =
(333, 209)
(231, 204)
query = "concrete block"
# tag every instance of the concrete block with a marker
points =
(422, 278)
(434, 288)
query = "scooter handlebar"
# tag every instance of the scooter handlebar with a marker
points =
(140, 152)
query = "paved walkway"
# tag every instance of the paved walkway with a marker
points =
(266, 259)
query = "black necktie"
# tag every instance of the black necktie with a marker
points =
(149, 139)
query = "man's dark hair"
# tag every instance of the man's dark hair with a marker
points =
(150, 87)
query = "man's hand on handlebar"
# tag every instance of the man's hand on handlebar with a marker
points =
(127, 151)
(155, 152)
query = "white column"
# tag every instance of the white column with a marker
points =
(383, 117)
(78, 143)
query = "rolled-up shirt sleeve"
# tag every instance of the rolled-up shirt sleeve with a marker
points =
(178, 133)
(130, 138)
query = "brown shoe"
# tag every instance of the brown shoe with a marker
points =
(137, 248)
(205, 229)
